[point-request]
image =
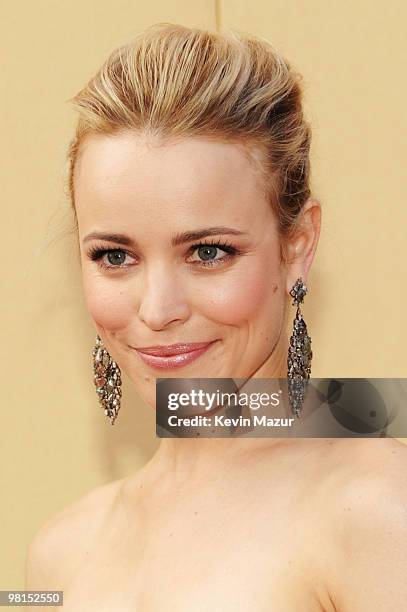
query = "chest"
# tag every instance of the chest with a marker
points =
(196, 555)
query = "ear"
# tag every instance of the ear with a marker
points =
(301, 246)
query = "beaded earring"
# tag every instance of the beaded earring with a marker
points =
(299, 352)
(107, 380)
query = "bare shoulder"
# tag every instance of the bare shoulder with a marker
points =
(58, 544)
(364, 472)
(369, 463)
(366, 517)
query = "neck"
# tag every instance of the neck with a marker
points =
(178, 459)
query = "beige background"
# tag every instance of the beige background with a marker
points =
(56, 443)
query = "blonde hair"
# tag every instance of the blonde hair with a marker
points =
(172, 81)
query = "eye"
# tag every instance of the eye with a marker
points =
(115, 257)
(208, 255)
(207, 252)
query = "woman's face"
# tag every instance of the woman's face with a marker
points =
(157, 284)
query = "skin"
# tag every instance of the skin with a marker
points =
(161, 299)
(222, 524)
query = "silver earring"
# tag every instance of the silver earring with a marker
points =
(107, 380)
(299, 353)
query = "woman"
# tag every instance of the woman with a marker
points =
(189, 178)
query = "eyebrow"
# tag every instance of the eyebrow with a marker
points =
(178, 239)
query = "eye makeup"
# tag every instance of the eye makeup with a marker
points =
(97, 254)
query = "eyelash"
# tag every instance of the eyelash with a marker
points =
(96, 253)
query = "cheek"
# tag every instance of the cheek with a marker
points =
(245, 295)
(108, 303)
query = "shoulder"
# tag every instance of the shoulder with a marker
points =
(56, 547)
(363, 473)
(366, 484)
(361, 467)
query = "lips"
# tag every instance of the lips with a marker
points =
(172, 349)
(174, 355)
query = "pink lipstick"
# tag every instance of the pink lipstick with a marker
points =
(173, 355)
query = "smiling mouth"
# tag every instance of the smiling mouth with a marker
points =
(173, 356)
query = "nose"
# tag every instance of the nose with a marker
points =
(162, 299)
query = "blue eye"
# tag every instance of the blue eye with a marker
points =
(115, 257)
(206, 251)
(112, 255)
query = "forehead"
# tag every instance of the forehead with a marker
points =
(132, 182)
